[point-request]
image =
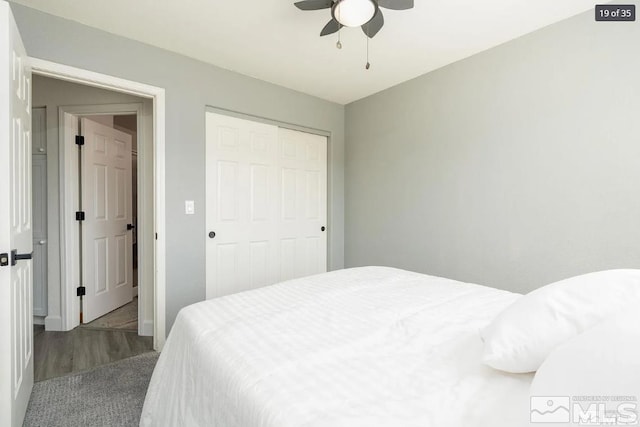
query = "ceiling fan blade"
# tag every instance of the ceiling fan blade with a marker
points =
(396, 4)
(313, 4)
(331, 27)
(372, 27)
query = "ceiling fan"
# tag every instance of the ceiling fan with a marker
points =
(354, 13)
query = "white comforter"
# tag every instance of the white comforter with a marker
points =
(369, 346)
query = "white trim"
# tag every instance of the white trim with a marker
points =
(53, 323)
(68, 197)
(147, 328)
(54, 70)
(90, 78)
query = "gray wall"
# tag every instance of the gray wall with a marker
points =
(52, 93)
(190, 85)
(512, 168)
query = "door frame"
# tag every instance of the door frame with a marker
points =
(69, 183)
(158, 252)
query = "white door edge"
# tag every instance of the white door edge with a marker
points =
(90, 78)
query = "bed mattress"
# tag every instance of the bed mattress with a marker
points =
(371, 346)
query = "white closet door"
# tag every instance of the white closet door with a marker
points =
(302, 180)
(107, 262)
(241, 189)
(39, 130)
(266, 204)
(39, 174)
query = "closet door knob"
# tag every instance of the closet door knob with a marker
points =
(212, 234)
(42, 242)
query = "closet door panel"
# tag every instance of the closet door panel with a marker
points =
(266, 204)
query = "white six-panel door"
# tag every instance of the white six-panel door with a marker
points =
(265, 204)
(302, 181)
(241, 184)
(107, 261)
(16, 323)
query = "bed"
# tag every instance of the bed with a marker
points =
(371, 346)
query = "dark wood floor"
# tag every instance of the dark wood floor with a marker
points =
(61, 353)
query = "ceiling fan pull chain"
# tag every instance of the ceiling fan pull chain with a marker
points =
(339, 44)
(368, 64)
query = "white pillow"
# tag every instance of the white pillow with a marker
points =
(522, 336)
(598, 367)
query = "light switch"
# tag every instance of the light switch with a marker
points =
(189, 207)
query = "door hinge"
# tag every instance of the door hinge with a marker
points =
(15, 256)
(80, 216)
(79, 140)
(81, 291)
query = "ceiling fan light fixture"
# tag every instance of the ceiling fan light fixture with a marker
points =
(353, 13)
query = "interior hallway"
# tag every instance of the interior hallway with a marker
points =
(111, 337)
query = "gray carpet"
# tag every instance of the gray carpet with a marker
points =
(110, 395)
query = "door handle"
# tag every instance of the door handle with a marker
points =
(130, 226)
(15, 256)
(42, 242)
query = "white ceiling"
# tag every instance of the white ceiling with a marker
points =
(274, 41)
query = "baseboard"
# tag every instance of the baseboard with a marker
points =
(146, 329)
(53, 323)
(38, 320)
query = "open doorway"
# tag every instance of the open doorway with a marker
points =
(108, 188)
(91, 305)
